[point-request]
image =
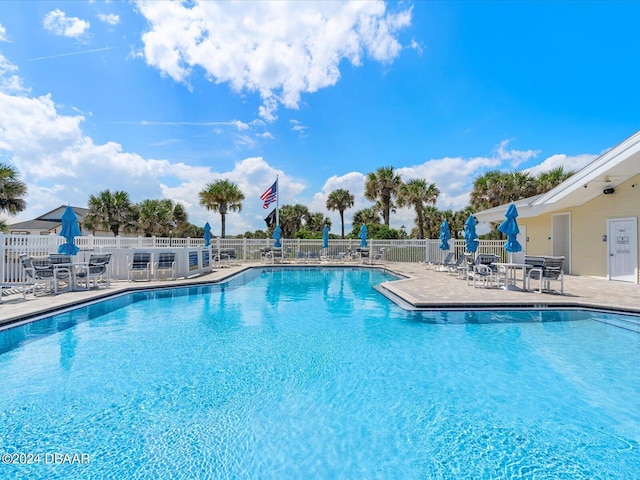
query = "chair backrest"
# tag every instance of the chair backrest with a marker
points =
(447, 259)
(166, 259)
(99, 259)
(533, 261)
(486, 258)
(552, 267)
(37, 268)
(27, 263)
(141, 260)
(59, 258)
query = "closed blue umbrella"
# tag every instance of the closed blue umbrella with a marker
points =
(445, 235)
(510, 228)
(69, 231)
(325, 237)
(470, 235)
(363, 236)
(207, 234)
(277, 236)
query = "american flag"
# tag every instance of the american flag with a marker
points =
(270, 195)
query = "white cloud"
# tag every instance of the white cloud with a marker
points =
(9, 81)
(57, 22)
(299, 128)
(3, 34)
(515, 157)
(277, 49)
(109, 18)
(568, 163)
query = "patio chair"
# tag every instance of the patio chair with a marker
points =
(39, 271)
(377, 256)
(465, 270)
(485, 273)
(96, 270)
(551, 270)
(342, 256)
(141, 263)
(444, 265)
(166, 263)
(453, 267)
(313, 256)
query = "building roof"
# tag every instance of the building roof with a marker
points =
(610, 169)
(49, 220)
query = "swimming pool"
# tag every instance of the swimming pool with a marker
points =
(310, 373)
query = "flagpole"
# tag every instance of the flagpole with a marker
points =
(277, 202)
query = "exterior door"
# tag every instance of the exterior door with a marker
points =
(561, 238)
(622, 246)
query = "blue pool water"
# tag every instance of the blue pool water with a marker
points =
(305, 373)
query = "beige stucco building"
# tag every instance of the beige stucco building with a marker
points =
(591, 218)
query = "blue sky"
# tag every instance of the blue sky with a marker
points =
(160, 98)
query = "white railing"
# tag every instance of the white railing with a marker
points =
(189, 251)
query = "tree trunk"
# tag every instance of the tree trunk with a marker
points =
(342, 222)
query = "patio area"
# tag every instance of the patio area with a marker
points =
(421, 288)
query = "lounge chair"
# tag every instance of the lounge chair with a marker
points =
(141, 263)
(551, 270)
(166, 263)
(96, 270)
(453, 267)
(444, 265)
(313, 257)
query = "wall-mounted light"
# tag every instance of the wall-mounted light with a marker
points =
(608, 191)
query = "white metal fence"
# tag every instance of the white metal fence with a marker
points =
(191, 260)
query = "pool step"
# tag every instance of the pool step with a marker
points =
(627, 322)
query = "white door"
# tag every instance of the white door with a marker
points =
(561, 239)
(518, 257)
(622, 246)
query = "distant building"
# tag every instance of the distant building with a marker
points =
(51, 222)
(591, 218)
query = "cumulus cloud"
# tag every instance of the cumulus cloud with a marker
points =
(57, 22)
(276, 49)
(515, 157)
(568, 163)
(3, 34)
(10, 82)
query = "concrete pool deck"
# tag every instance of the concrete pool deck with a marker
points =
(421, 288)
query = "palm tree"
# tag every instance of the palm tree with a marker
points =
(367, 216)
(432, 219)
(291, 219)
(110, 210)
(416, 192)
(315, 222)
(340, 200)
(382, 184)
(222, 196)
(11, 192)
(552, 178)
(156, 217)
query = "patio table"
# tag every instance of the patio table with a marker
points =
(510, 270)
